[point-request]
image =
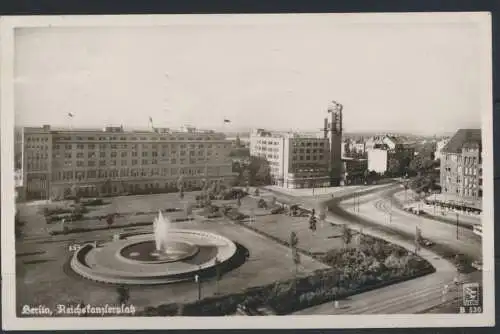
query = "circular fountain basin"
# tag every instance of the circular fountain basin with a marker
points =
(134, 260)
(146, 252)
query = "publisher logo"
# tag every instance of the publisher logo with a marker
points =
(471, 294)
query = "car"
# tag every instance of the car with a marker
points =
(427, 243)
(478, 265)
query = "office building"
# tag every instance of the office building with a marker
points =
(112, 161)
(295, 161)
(299, 160)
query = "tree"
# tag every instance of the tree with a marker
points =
(312, 223)
(418, 239)
(259, 171)
(123, 295)
(294, 241)
(393, 167)
(346, 235)
(110, 219)
(421, 163)
(180, 183)
(245, 177)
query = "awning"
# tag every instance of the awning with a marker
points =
(455, 200)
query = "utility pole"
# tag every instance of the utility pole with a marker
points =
(390, 210)
(435, 194)
(457, 225)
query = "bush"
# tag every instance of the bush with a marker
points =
(93, 202)
(234, 214)
(261, 204)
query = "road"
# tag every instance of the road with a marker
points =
(377, 207)
(414, 296)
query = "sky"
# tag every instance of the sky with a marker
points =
(420, 78)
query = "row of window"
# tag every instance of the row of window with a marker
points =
(133, 162)
(307, 151)
(126, 138)
(37, 147)
(125, 154)
(467, 182)
(309, 144)
(137, 146)
(267, 142)
(268, 149)
(126, 186)
(308, 157)
(466, 160)
(131, 172)
(37, 139)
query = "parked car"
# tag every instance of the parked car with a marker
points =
(427, 243)
(277, 209)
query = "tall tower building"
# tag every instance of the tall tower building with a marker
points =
(333, 130)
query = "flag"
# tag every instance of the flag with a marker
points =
(71, 115)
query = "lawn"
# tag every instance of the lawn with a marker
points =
(326, 236)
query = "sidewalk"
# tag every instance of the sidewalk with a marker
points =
(450, 216)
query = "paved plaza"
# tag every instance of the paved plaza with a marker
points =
(43, 275)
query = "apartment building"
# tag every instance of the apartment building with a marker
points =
(381, 149)
(461, 169)
(112, 161)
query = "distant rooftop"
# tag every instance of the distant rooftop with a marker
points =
(121, 129)
(463, 138)
(285, 134)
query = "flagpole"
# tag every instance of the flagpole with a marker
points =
(70, 115)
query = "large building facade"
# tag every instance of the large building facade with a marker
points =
(300, 160)
(60, 163)
(295, 161)
(461, 169)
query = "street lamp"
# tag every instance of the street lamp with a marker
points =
(197, 279)
(390, 210)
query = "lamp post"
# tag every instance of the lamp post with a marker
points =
(198, 281)
(390, 210)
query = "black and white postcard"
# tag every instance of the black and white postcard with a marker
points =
(207, 169)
